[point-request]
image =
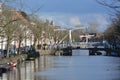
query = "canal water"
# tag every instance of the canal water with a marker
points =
(80, 66)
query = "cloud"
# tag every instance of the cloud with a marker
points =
(75, 20)
(102, 21)
(70, 20)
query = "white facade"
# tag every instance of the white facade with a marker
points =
(2, 43)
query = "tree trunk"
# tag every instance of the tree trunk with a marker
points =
(34, 42)
(19, 47)
(8, 46)
(38, 41)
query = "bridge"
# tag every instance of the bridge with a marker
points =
(67, 50)
(93, 47)
(79, 45)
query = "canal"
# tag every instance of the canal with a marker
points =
(80, 66)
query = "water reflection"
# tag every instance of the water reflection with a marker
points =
(26, 70)
(82, 68)
(67, 68)
(23, 72)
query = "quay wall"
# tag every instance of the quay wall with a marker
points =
(18, 57)
(46, 52)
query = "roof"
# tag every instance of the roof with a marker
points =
(55, 27)
(23, 16)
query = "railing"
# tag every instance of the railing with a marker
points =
(84, 44)
(78, 44)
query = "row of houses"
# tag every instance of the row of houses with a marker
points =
(17, 14)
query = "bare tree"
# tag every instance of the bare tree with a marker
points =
(112, 34)
(113, 4)
(93, 27)
(8, 27)
(9, 20)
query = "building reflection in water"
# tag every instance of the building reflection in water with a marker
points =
(54, 68)
(26, 70)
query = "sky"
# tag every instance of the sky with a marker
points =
(69, 13)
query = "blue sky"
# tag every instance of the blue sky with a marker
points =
(67, 13)
(67, 6)
(72, 6)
